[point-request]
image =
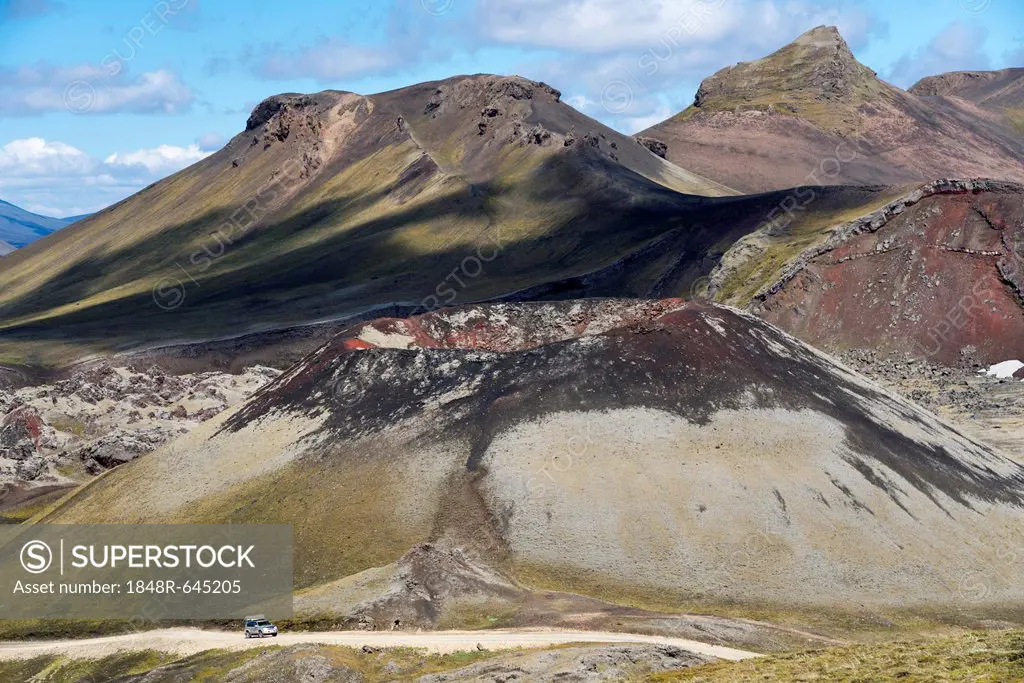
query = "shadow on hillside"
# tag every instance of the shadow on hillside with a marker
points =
(651, 239)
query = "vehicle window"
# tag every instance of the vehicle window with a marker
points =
(263, 622)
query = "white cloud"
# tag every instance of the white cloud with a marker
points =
(54, 211)
(36, 173)
(81, 89)
(591, 25)
(580, 102)
(327, 60)
(958, 47)
(36, 156)
(604, 26)
(656, 51)
(162, 159)
(635, 124)
(210, 142)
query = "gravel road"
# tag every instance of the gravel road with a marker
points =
(187, 641)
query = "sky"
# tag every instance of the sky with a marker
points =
(99, 98)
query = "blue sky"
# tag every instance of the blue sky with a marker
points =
(99, 98)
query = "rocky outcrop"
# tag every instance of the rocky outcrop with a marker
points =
(274, 105)
(985, 407)
(23, 436)
(877, 220)
(577, 664)
(121, 446)
(656, 146)
(429, 584)
(105, 416)
(818, 63)
(502, 93)
(933, 272)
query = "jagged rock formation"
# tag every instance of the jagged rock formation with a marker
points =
(811, 114)
(678, 448)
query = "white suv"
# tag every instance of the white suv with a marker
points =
(259, 627)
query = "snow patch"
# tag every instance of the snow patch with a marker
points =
(372, 335)
(716, 324)
(1005, 369)
(773, 345)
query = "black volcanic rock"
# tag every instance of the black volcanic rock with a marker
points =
(269, 107)
(656, 146)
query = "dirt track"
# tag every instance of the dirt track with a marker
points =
(187, 641)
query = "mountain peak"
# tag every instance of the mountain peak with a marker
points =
(822, 36)
(816, 67)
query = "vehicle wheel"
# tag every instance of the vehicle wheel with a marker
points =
(247, 635)
(273, 635)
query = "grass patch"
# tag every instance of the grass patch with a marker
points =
(69, 425)
(1016, 118)
(251, 664)
(832, 621)
(340, 526)
(984, 656)
(25, 669)
(67, 629)
(477, 617)
(810, 227)
(64, 670)
(17, 514)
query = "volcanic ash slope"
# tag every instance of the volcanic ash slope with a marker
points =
(603, 446)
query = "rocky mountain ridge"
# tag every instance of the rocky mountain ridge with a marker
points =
(334, 203)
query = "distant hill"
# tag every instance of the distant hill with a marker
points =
(72, 219)
(1000, 92)
(19, 227)
(811, 114)
(359, 202)
(990, 89)
(479, 188)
